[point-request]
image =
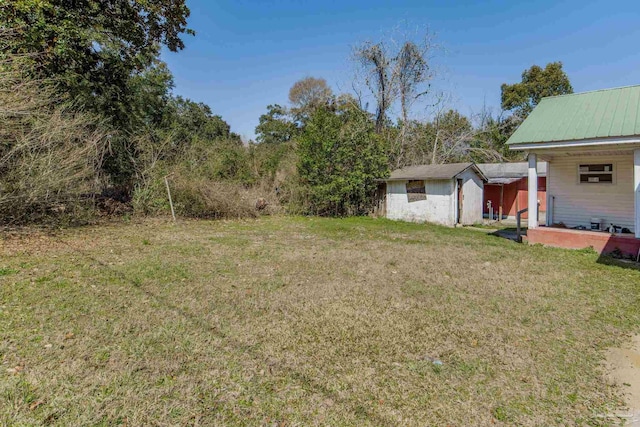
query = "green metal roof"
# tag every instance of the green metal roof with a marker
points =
(598, 114)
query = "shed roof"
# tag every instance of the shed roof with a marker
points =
(446, 171)
(503, 181)
(603, 113)
(506, 173)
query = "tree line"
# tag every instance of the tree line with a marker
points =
(91, 126)
(339, 168)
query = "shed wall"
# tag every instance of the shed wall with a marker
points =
(438, 206)
(575, 204)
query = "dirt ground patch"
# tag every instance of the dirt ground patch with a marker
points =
(623, 370)
(306, 321)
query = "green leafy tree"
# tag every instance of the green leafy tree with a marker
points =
(149, 94)
(143, 111)
(94, 48)
(268, 159)
(196, 120)
(537, 83)
(275, 126)
(340, 157)
(103, 54)
(84, 40)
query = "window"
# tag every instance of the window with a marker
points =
(596, 173)
(416, 191)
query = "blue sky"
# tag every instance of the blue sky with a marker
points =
(248, 53)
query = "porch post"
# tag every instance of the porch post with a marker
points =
(636, 187)
(533, 191)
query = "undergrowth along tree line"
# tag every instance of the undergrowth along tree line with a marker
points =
(90, 124)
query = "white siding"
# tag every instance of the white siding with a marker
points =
(575, 204)
(438, 206)
(472, 193)
(636, 184)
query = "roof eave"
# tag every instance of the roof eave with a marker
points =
(477, 171)
(593, 142)
(419, 178)
(426, 177)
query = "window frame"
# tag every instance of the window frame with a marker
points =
(581, 173)
(422, 187)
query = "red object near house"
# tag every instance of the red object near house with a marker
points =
(514, 197)
(507, 189)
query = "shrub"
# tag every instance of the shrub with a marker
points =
(340, 159)
(204, 198)
(208, 180)
(49, 154)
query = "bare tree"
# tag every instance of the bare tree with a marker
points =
(454, 135)
(492, 133)
(395, 71)
(375, 64)
(412, 73)
(398, 72)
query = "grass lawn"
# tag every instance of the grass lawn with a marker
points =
(305, 321)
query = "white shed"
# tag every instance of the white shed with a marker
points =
(444, 194)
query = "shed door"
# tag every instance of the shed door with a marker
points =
(460, 200)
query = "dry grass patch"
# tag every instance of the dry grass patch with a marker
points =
(295, 321)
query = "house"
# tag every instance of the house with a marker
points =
(444, 194)
(506, 190)
(591, 142)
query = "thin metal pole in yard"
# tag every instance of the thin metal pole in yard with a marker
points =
(173, 212)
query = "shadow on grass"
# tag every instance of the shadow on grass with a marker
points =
(618, 262)
(508, 233)
(621, 250)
